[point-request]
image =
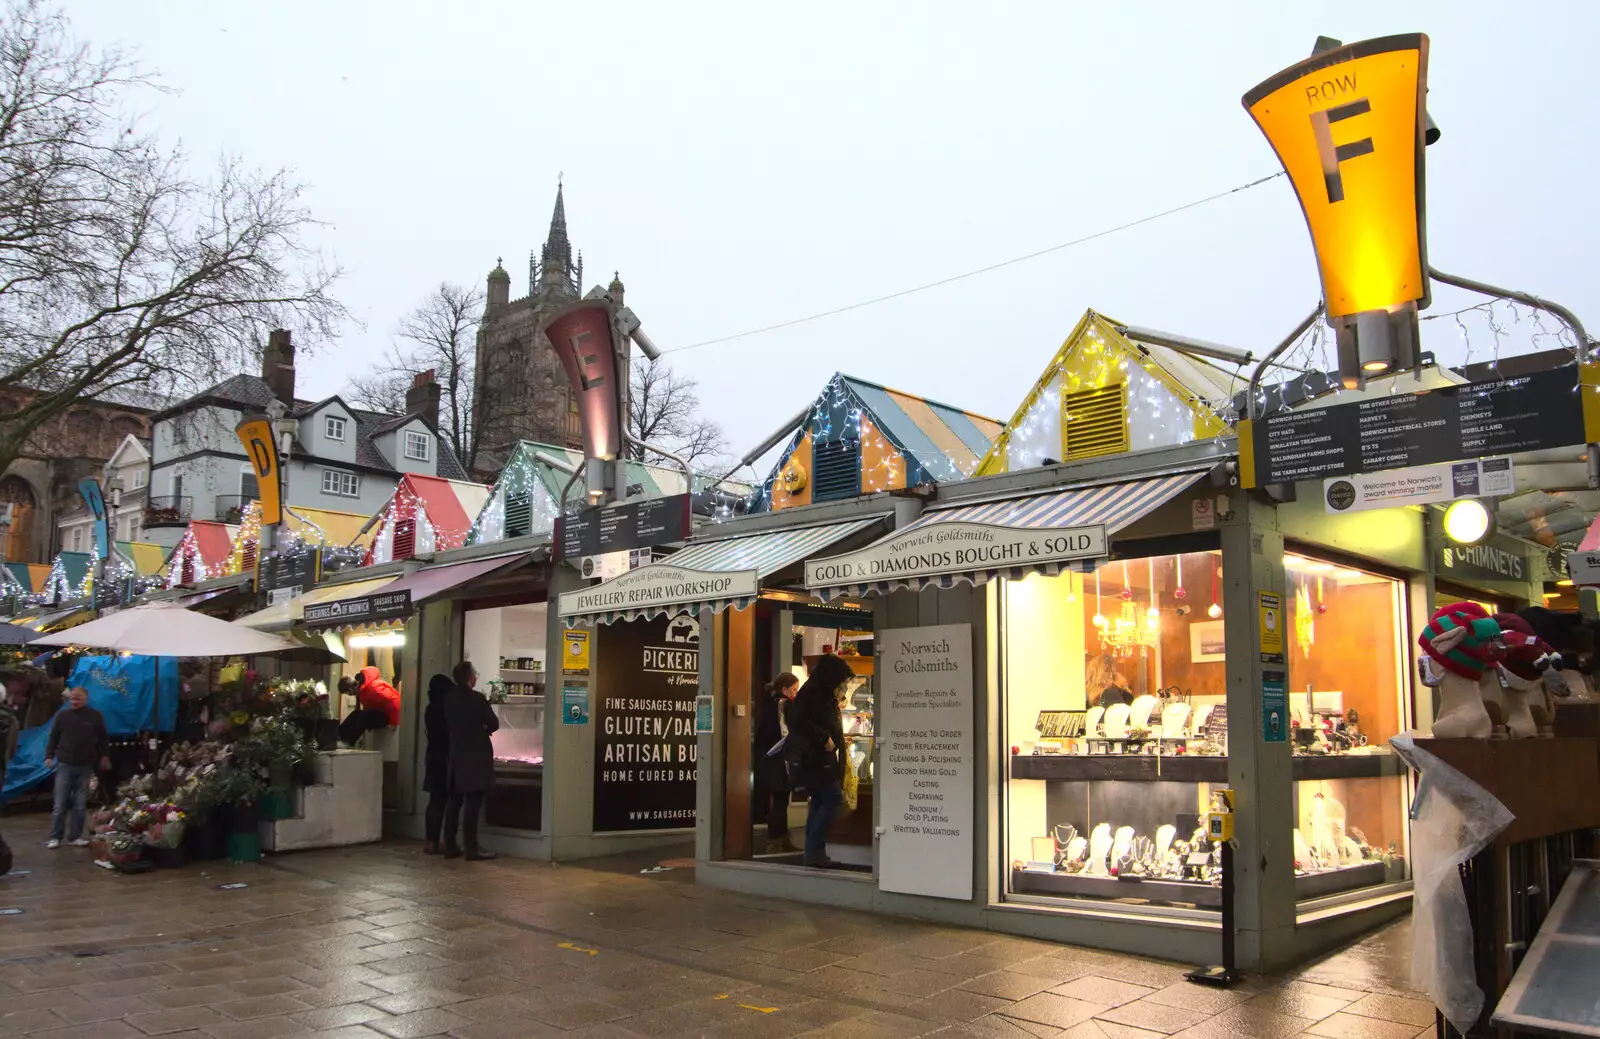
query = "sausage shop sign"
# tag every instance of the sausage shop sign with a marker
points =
(956, 547)
(363, 609)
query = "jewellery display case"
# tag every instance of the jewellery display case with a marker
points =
(1116, 722)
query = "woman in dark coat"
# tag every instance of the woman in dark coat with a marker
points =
(815, 748)
(471, 721)
(436, 762)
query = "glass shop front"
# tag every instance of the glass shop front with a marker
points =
(790, 636)
(1115, 729)
(507, 646)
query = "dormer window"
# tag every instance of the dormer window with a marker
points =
(333, 427)
(416, 446)
(140, 478)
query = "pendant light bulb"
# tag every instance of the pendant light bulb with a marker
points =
(1215, 611)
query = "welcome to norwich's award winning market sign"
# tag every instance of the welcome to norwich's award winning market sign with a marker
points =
(956, 547)
(925, 682)
(1532, 412)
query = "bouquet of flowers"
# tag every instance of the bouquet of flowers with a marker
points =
(165, 826)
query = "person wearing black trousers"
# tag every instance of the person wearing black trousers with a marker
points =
(772, 784)
(470, 720)
(436, 762)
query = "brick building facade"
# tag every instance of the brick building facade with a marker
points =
(42, 485)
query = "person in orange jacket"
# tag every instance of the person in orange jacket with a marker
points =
(377, 707)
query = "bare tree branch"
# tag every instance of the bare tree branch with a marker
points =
(122, 277)
(664, 409)
(383, 390)
(439, 335)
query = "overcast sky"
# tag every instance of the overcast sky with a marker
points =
(746, 164)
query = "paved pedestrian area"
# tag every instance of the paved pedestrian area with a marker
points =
(383, 941)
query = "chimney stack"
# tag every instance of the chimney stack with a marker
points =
(277, 366)
(423, 398)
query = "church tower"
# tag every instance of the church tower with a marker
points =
(521, 390)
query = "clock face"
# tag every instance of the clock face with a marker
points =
(793, 476)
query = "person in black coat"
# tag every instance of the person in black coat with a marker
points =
(816, 753)
(771, 774)
(470, 721)
(436, 762)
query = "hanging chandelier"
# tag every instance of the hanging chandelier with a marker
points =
(1132, 629)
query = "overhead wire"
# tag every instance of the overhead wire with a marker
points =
(981, 270)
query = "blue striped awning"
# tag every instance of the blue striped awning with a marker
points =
(1112, 505)
(759, 554)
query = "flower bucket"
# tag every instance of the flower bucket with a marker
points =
(244, 847)
(277, 804)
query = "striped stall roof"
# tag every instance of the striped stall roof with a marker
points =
(1116, 505)
(147, 559)
(947, 441)
(31, 575)
(75, 567)
(766, 554)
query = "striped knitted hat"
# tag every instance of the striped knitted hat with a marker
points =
(1527, 655)
(1476, 652)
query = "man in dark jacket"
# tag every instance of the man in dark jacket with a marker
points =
(77, 743)
(436, 762)
(470, 720)
(815, 748)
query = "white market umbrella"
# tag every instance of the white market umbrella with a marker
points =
(168, 630)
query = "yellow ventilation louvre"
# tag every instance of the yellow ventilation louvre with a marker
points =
(1095, 422)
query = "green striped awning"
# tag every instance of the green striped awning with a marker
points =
(706, 575)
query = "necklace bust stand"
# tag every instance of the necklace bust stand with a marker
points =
(1462, 715)
(1461, 712)
(1173, 718)
(1517, 696)
(1099, 849)
(1164, 836)
(1091, 722)
(1577, 687)
(1122, 847)
(1139, 714)
(1116, 724)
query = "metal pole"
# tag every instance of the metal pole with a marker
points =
(1566, 316)
(688, 470)
(1266, 362)
(1561, 313)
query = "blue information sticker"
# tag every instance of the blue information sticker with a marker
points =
(1274, 707)
(575, 705)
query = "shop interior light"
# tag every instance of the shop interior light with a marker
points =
(1468, 522)
(1565, 582)
(377, 640)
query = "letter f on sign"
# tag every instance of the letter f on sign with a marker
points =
(1331, 154)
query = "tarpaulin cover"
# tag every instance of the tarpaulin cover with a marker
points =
(129, 691)
(26, 769)
(123, 689)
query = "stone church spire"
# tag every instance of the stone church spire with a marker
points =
(558, 272)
